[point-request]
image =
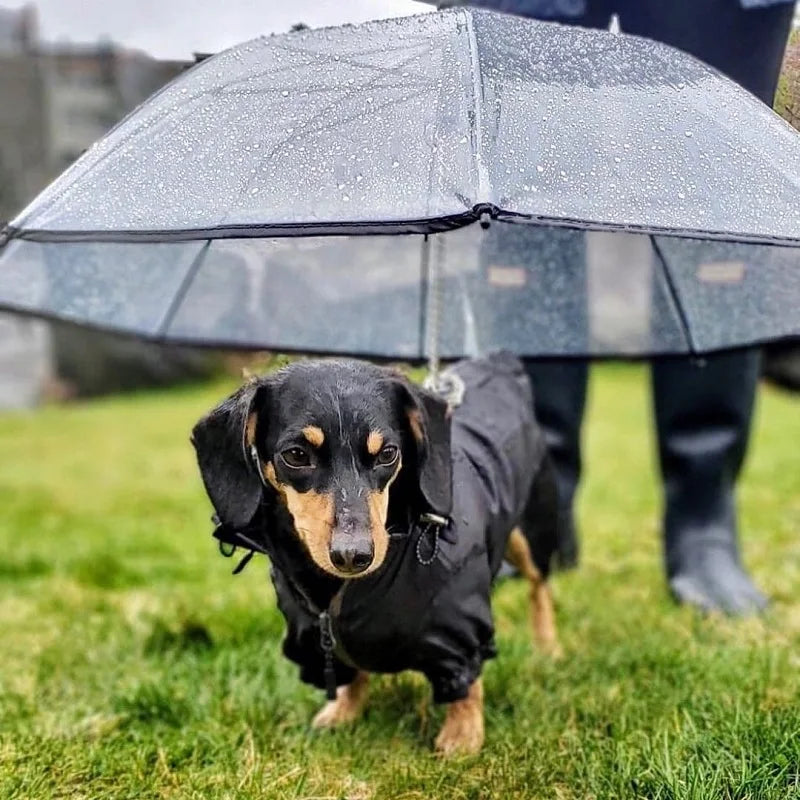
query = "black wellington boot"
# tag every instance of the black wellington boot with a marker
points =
(703, 414)
(559, 392)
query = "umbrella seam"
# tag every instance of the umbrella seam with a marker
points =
(673, 293)
(483, 193)
(183, 290)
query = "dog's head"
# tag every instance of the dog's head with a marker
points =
(330, 438)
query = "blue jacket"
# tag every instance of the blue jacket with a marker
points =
(547, 9)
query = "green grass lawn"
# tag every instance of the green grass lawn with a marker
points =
(132, 665)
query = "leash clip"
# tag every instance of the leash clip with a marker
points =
(433, 522)
(434, 519)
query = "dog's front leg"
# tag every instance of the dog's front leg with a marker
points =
(348, 705)
(462, 732)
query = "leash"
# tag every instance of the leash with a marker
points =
(447, 384)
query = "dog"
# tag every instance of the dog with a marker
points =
(385, 518)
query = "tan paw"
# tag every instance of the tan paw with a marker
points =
(464, 738)
(335, 713)
(462, 732)
(347, 706)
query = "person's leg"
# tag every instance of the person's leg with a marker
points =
(703, 412)
(511, 315)
(559, 392)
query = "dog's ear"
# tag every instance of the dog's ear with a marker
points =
(428, 422)
(223, 440)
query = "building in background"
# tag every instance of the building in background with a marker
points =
(56, 100)
(23, 118)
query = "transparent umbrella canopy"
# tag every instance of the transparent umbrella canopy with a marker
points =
(547, 189)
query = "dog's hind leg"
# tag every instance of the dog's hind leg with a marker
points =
(518, 553)
(348, 705)
(462, 731)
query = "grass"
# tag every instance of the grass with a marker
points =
(134, 666)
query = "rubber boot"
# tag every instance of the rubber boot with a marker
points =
(559, 391)
(703, 413)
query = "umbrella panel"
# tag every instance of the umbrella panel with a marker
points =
(733, 293)
(320, 294)
(121, 287)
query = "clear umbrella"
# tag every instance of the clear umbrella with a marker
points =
(561, 191)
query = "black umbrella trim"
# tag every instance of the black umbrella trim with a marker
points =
(482, 212)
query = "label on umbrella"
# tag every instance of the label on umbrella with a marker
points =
(721, 272)
(506, 277)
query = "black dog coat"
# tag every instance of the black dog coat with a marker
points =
(427, 608)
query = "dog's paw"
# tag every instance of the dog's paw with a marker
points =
(462, 732)
(460, 737)
(347, 707)
(335, 713)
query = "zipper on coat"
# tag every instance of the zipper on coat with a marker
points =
(331, 643)
(327, 645)
(334, 610)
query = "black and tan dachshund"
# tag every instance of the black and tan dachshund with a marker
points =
(385, 518)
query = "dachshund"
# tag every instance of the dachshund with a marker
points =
(386, 516)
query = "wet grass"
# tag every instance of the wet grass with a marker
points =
(134, 666)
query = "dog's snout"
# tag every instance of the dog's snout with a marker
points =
(351, 554)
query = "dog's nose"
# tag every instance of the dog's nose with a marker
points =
(352, 555)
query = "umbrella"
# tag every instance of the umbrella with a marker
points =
(460, 180)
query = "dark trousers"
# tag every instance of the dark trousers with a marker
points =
(702, 411)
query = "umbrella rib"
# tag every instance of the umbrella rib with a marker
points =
(484, 183)
(183, 290)
(675, 297)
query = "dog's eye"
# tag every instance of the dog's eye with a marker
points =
(296, 458)
(388, 455)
